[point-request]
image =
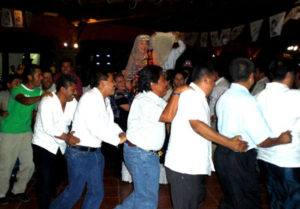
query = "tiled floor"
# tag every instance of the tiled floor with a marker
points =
(116, 191)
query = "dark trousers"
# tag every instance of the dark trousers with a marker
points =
(187, 191)
(51, 170)
(237, 175)
(283, 185)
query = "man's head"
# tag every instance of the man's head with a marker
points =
(104, 81)
(66, 65)
(33, 75)
(282, 71)
(179, 79)
(152, 79)
(47, 80)
(12, 81)
(242, 70)
(204, 77)
(66, 86)
(120, 82)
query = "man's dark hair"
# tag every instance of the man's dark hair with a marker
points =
(65, 81)
(201, 70)
(65, 60)
(9, 79)
(48, 71)
(279, 68)
(147, 75)
(29, 70)
(117, 75)
(99, 76)
(240, 69)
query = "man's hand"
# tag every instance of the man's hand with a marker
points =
(71, 139)
(238, 145)
(47, 94)
(181, 89)
(285, 137)
(4, 114)
(122, 137)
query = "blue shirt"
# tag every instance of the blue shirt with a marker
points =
(239, 113)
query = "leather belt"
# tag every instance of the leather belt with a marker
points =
(130, 144)
(83, 148)
(133, 145)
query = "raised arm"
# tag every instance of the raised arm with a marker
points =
(171, 109)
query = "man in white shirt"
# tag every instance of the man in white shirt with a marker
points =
(239, 114)
(55, 114)
(188, 156)
(280, 165)
(93, 123)
(146, 136)
(260, 77)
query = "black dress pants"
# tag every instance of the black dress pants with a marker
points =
(51, 171)
(283, 185)
(187, 191)
(237, 175)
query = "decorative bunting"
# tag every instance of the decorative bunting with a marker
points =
(18, 17)
(225, 36)
(190, 38)
(236, 31)
(255, 27)
(28, 16)
(214, 38)
(276, 23)
(293, 14)
(6, 19)
(203, 39)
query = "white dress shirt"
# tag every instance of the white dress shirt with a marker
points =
(94, 121)
(188, 152)
(221, 86)
(281, 109)
(173, 56)
(52, 121)
(144, 129)
(239, 113)
(259, 86)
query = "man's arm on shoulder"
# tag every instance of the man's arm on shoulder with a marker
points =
(21, 98)
(171, 109)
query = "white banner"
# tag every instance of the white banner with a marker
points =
(276, 23)
(214, 37)
(255, 27)
(6, 19)
(293, 14)
(225, 36)
(203, 39)
(18, 16)
(236, 31)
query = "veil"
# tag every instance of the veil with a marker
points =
(136, 58)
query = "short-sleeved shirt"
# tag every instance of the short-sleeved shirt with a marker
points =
(19, 115)
(144, 128)
(239, 113)
(188, 152)
(281, 109)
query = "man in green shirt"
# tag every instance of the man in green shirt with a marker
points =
(16, 134)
